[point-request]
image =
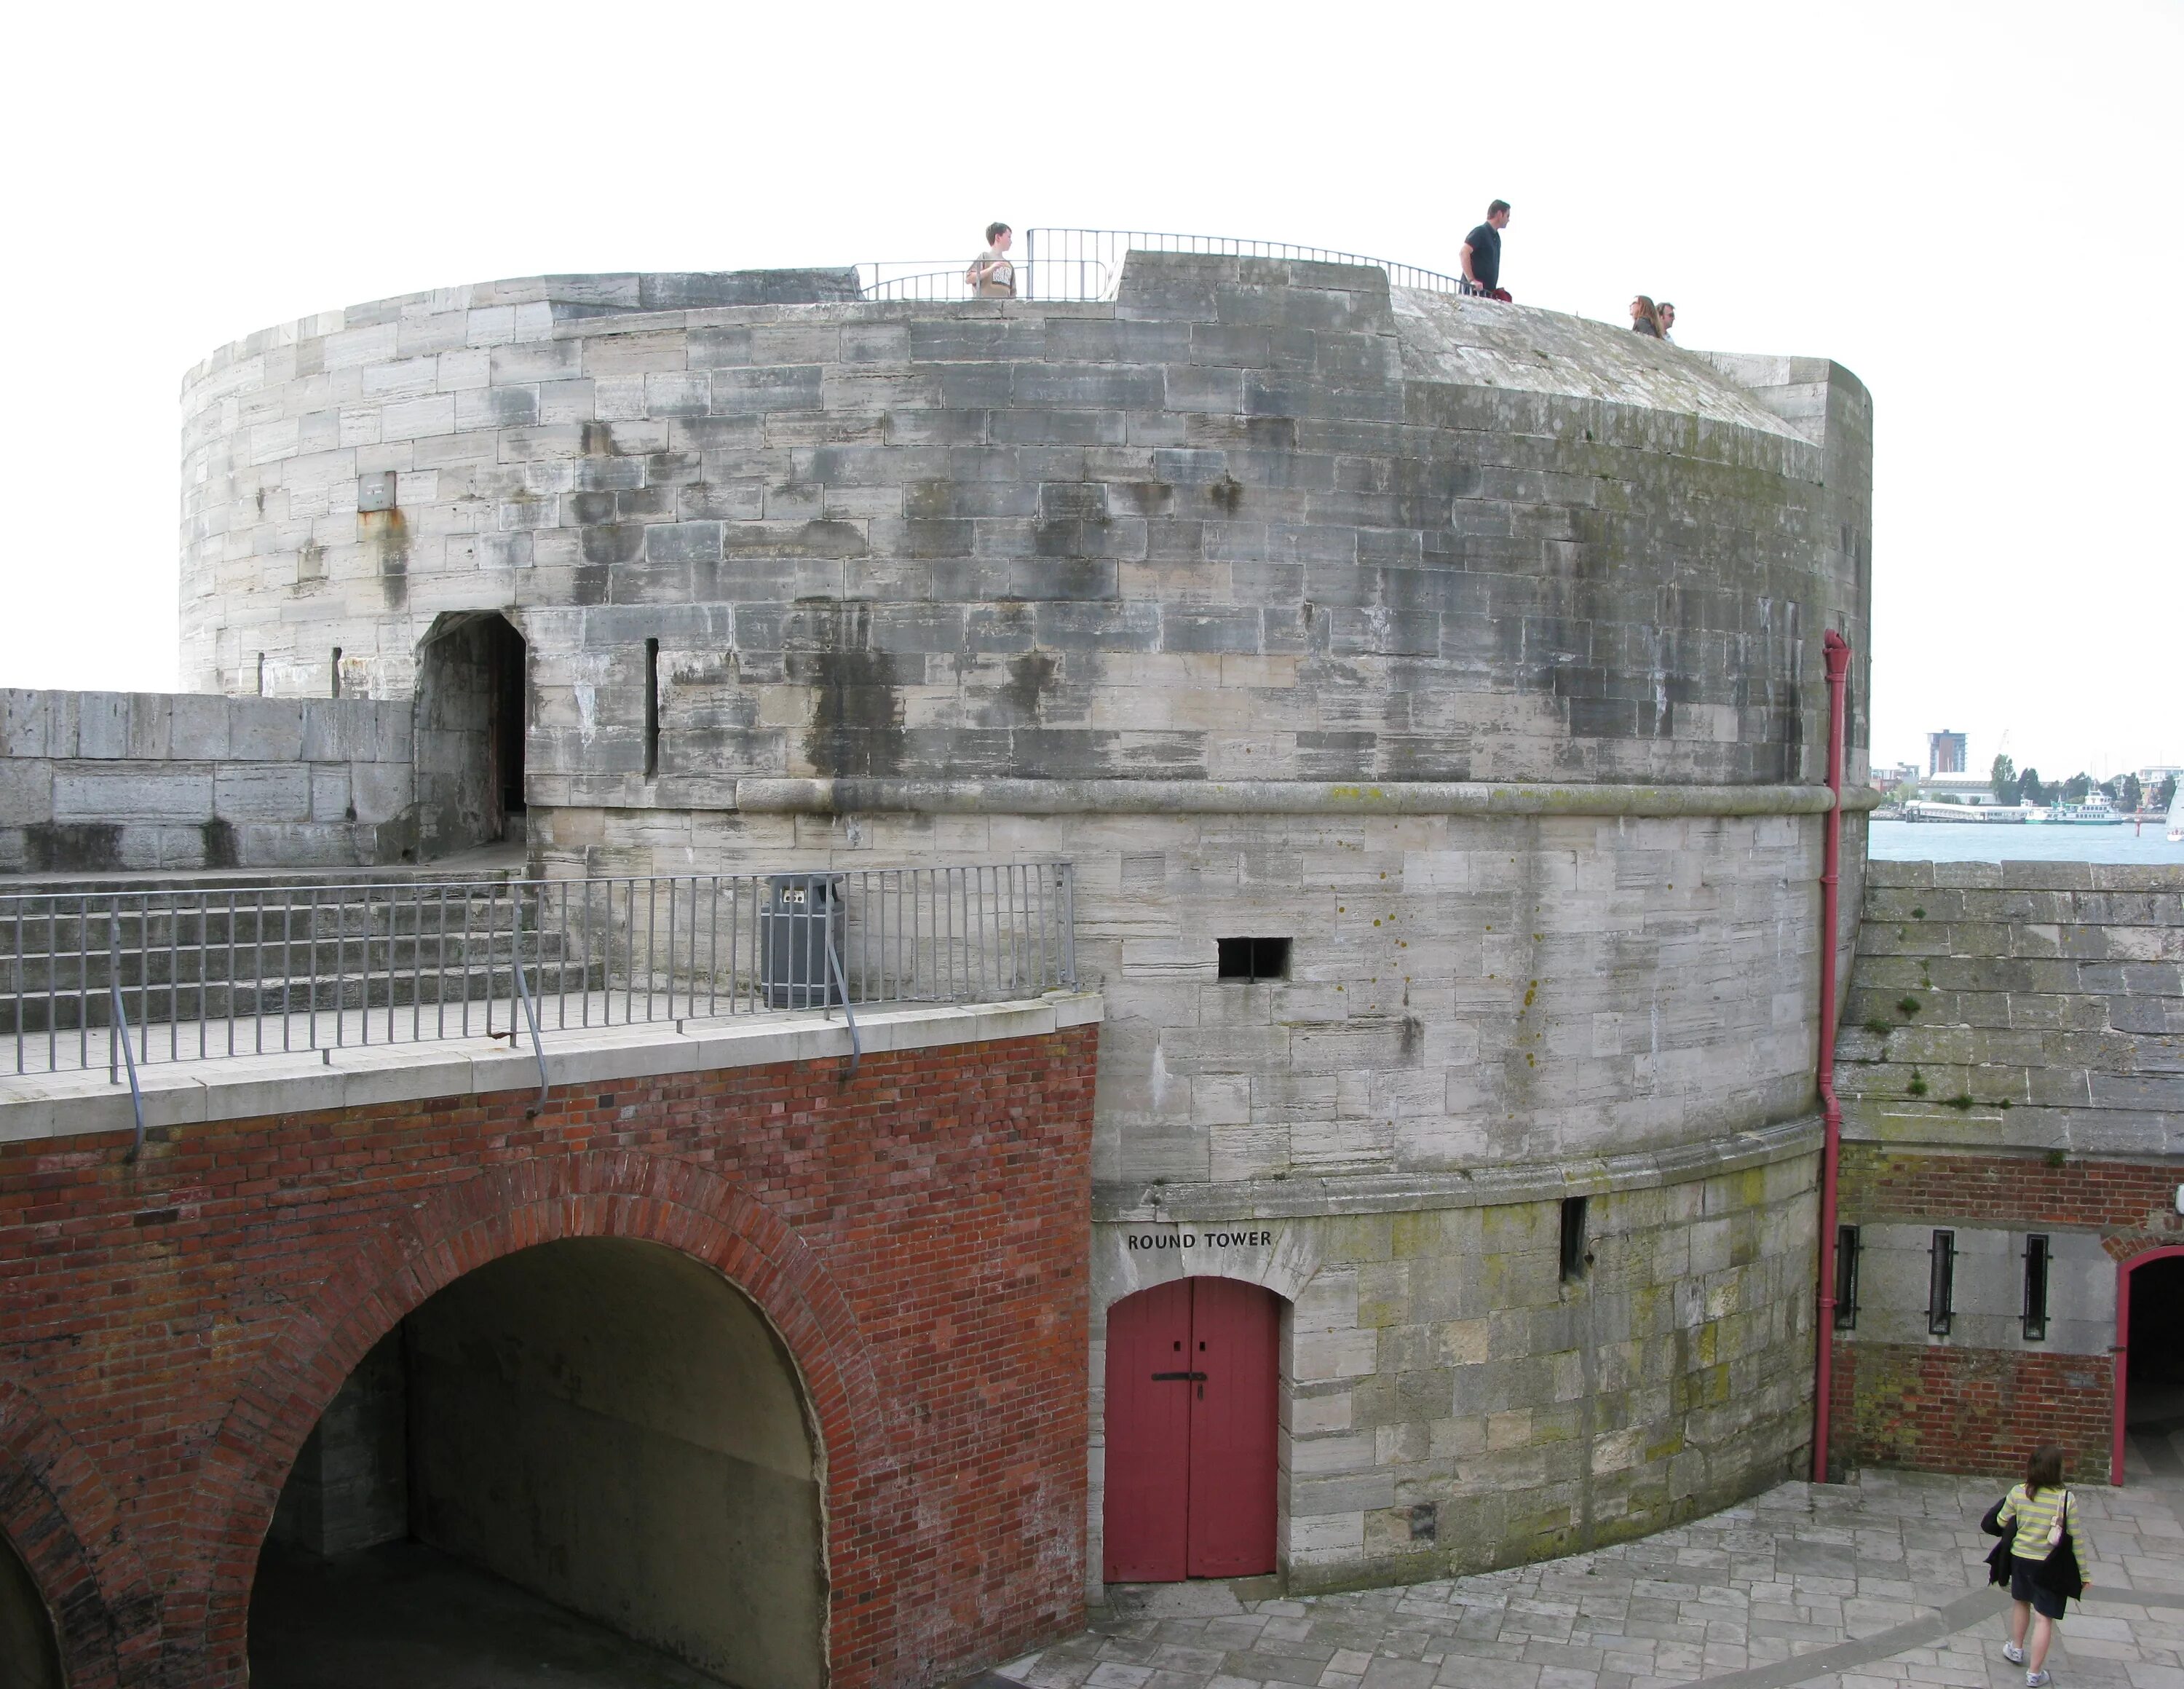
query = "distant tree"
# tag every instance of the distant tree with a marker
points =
(2003, 778)
(1903, 791)
(2075, 789)
(2165, 793)
(2029, 788)
(2129, 794)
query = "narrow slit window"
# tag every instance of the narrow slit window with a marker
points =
(261, 674)
(335, 693)
(1574, 1258)
(2036, 1257)
(1249, 960)
(1941, 1283)
(651, 708)
(1845, 1278)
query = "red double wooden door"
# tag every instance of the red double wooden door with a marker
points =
(1190, 1432)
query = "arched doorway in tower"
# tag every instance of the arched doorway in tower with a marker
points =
(2149, 1430)
(1191, 1439)
(471, 716)
(593, 1454)
(30, 1658)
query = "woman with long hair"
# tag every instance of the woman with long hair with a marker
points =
(1645, 316)
(2046, 1525)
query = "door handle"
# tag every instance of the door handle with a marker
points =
(1187, 1377)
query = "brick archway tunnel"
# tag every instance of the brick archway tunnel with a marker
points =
(893, 1265)
(606, 1422)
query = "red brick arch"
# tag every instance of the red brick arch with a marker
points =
(62, 1518)
(606, 1193)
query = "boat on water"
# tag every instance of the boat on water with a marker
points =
(2096, 811)
(1919, 808)
(2176, 816)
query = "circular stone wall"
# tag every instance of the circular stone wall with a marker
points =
(1473, 649)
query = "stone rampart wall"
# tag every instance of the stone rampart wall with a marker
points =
(101, 782)
(1251, 520)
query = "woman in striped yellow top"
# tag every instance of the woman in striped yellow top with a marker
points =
(2041, 1511)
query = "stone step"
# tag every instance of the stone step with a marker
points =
(219, 1001)
(37, 974)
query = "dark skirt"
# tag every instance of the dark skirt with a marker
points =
(2045, 1602)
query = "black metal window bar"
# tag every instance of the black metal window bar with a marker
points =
(198, 973)
(1941, 1283)
(1083, 265)
(2036, 1261)
(1847, 1278)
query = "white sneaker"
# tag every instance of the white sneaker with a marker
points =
(2037, 1679)
(2012, 1653)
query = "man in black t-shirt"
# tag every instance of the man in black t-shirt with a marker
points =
(1482, 252)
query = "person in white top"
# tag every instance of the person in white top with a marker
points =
(992, 275)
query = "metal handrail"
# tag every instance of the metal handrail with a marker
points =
(530, 1014)
(1072, 252)
(259, 970)
(1086, 264)
(121, 1038)
(848, 1014)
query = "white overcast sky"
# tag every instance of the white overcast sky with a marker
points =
(1974, 207)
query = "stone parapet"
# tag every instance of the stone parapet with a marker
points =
(105, 781)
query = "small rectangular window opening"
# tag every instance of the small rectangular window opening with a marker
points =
(1941, 1283)
(1575, 1260)
(335, 693)
(651, 708)
(1845, 1278)
(1254, 959)
(2036, 1288)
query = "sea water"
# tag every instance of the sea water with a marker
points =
(1966, 841)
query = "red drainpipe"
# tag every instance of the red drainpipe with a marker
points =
(1837, 651)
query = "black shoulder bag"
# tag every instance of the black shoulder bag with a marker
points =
(2058, 1573)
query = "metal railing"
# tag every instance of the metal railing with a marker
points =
(1066, 264)
(190, 974)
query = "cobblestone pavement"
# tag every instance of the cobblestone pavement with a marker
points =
(1864, 1586)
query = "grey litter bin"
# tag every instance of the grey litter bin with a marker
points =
(802, 912)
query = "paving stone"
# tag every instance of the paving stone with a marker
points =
(1595, 1621)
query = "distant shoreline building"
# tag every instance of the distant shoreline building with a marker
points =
(1945, 753)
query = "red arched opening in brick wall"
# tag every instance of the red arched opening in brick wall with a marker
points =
(60, 1515)
(604, 1194)
(2124, 1270)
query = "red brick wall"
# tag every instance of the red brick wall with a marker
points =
(1972, 1410)
(1957, 1409)
(2133, 1199)
(919, 1235)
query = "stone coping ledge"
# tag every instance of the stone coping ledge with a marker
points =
(1283, 797)
(2027, 876)
(1383, 1193)
(79, 1103)
(2081, 1131)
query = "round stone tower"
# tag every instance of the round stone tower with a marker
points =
(1427, 691)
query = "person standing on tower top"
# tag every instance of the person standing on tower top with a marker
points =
(992, 275)
(1482, 253)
